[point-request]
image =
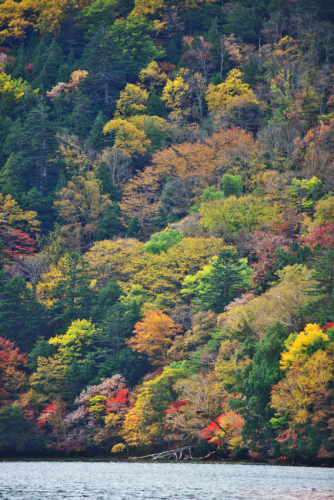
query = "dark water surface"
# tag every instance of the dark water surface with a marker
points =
(58, 480)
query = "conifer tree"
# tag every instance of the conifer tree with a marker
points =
(20, 63)
(322, 308)
(109, 225)
(226, 281)
(21, 315)
(155, 106)
(82, 115)
(103, 174)
(11, 178)
(255, 383)
(53, 60)
(39, 59)
(172, 52)
(5, 126)
(13, 143)
(133, 230)
(96, 137)
(106, 299)
(112, 355)
(70, 37)
(106, 68)
(73, 295)
(39, 147)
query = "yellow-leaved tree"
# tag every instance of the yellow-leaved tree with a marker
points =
(298, 345)
(121, 259)
(132, 101)
(234, 216)
(80, 205)
(304, 395)
(127, 260)
(150, 7)
(13, 217)
(143, 424)
(128, 137)
(74, 344)
(46, 16)
(11, 89)
(231, 93)
(152, 76)
(282, 303)
(176, 94)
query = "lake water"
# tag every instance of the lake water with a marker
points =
(58, 480)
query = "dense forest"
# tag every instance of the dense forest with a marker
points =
(167, 228)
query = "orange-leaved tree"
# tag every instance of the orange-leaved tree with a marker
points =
(154, 336)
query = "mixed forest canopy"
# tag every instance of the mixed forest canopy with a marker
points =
(167, 228)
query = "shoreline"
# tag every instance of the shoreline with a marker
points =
(272, 462)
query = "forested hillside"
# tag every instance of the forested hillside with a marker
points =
(167, 228)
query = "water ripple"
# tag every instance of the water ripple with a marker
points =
(60, 480)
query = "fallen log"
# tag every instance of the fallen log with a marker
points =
(184, 452)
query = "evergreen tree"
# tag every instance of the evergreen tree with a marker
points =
(101, 12)
(13, 143)
(125, 7)
(82, 115)
(73, 295)
(47, 77)
(228, 279)
(39, 149)
(133, 230)
(11, 177)
(20, 63)
(109, 225)
(102, 173)
(296, 254)
(62, 182)
(240, 21)
(71, 36)
(255, 383)
(155, 106)
(112, 354)
(41, 349)
(96, 137)
(5, 126)
(106, 299)
(172, 53)
(135, 45)
(41, 203)
(16, 432)
(321, 309)
(64, 73)
(102, 58)
(40, 56)
(21, 315)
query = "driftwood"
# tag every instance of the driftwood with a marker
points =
(184, 453)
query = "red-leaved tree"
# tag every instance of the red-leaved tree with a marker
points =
(12, 377)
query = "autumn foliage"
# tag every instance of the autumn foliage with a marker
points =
(154, 335)
(167, 228)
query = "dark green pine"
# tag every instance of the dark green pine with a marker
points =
(73, 295)
(21, 315)
(321, 308)
(255, 383)
(225, 283)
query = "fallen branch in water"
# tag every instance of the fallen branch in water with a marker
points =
(184, 453)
